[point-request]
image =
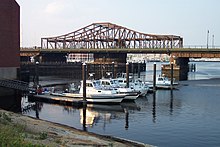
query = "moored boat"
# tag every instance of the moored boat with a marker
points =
(137, 85)
(163, 82)
(131, 94)
(95, 93)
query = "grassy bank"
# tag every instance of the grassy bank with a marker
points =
(15, 134)
(18, 130)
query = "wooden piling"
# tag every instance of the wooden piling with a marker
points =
(154, 77)
(132, 70)
(139, 72)
(37, 73)
(194, 67)
(171, 73)
(84, 82)
(113, 70)
(127, 75)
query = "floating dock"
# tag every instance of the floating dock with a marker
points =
(76, 102)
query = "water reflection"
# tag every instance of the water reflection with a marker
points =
(191, 111)
(105, 119)
(37, 108)
(95, 113)
(126, 119)
(27, 106)
(171, 102)
(129, 107)
(100, 114)
(154, 107)
(84, 122)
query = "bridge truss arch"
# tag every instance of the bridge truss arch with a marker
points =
(110, 36)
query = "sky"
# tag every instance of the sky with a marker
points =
(190, 19)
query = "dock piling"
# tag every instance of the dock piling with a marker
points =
(154, 78)
(84, 82)
(36, 79)
(171, 84)
(113, 70)
(132, 70)
(84, 117)
(127, 75)
(139, 73)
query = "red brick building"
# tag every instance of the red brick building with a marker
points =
(9, 38)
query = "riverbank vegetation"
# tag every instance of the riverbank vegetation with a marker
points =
(15, 134)
(19, 130)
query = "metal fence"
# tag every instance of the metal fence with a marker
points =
(14, 84)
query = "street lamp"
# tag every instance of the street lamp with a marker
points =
(208, 39)
(213, 42)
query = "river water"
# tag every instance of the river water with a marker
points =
(189, 116)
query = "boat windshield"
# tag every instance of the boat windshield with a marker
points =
(115, 81)
(139, 80)
(111, 82)
(96, 83)
(121, 81)
(105, 83)
(160, 79)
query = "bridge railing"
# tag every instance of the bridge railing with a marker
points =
(14, 84)
(201, 46)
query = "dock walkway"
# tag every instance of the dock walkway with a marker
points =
(77, 102)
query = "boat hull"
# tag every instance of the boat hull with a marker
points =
(131, 96)
(163, 86)
(97, 98)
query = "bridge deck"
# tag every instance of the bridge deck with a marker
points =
(178, 52)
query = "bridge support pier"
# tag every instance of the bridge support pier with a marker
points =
(183, 68)
(180, 68)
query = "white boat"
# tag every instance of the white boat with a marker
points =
(114, 84)
(137, 85)
(96, 94)
(163, 82)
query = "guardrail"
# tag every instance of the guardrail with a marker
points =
(201, 46)
(14, 84)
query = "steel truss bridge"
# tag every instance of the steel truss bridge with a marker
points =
(110, 36)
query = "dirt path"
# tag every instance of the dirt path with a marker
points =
(53, 134)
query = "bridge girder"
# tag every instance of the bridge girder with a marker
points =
(108, 35)
(178, 52)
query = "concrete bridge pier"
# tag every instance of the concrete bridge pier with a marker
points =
(183, 68)
(180, 69)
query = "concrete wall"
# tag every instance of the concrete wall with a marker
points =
(8, 72)
(6, 92)
(9, 38)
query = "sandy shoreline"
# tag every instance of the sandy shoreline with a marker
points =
(61, 135)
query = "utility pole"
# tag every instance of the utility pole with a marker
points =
(213, 41)
(208, 39)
